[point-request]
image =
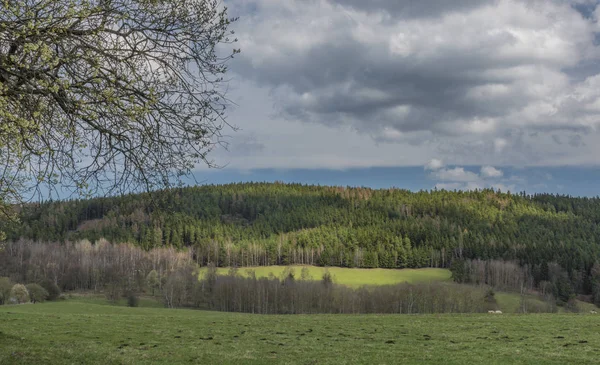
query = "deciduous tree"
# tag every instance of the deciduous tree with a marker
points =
(110, 95)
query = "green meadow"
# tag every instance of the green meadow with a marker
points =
(350, 276)
(85, 331)
(355, 278)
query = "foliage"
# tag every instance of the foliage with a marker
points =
(327, 279)
(153, 281)
(305, 274)
(19, 293)
(37, 293)
(110, 95)
(132, 300)
(490, 299)
(5, 287)
(52, 289)
(262, 224)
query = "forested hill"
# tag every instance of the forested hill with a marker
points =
(275, 223)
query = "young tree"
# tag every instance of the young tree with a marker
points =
(305, 274)
(107, 95)
(153, 281)
(327, 279)
(19, 293)
(36, 293)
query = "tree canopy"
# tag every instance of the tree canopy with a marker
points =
(109, 95)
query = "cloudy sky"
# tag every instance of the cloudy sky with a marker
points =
(456, 94)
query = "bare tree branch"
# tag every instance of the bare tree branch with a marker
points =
(109, 96)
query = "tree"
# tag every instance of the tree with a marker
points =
(153, 281)
(327, 279)
(561, 285)
(132, 299)
(305, 274)
(5, 287)
(110, 95)
(52, 289)
(36, 293)
(19, 293)
(595, 282)
(459, 274)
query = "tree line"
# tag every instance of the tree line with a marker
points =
(548, 279)
(254, 224)
(292, 295)
(174, 278)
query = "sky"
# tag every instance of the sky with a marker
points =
(422, 94)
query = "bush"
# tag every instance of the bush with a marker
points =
(490, 299)
(572, 306)
(5, 286)
(132, 300)
(19, 293)
(36, 293)
(51, 288)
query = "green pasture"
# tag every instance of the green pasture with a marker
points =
(86, 331)
(350, 276)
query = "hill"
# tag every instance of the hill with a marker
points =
(256, 224)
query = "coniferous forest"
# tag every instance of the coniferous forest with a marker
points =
(253, 224)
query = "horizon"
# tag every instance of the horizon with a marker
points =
(566, 181)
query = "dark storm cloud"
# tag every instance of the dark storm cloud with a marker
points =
(477, 71)
(415, 8)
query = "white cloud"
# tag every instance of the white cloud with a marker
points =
(457, 174)
(434, 164)
(349, 83)
(458, 178)
(500, 144)
(490, 171)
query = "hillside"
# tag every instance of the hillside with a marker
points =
(255, 224)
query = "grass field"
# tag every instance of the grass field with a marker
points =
(354, 277)
(85, 331)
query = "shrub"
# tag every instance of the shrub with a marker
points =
(51, 288)
(5, 286)
(490, 299)
(19, 293)
(36, 293)
(132, 300)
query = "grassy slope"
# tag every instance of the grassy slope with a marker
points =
(354, 277)
(83, 332)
